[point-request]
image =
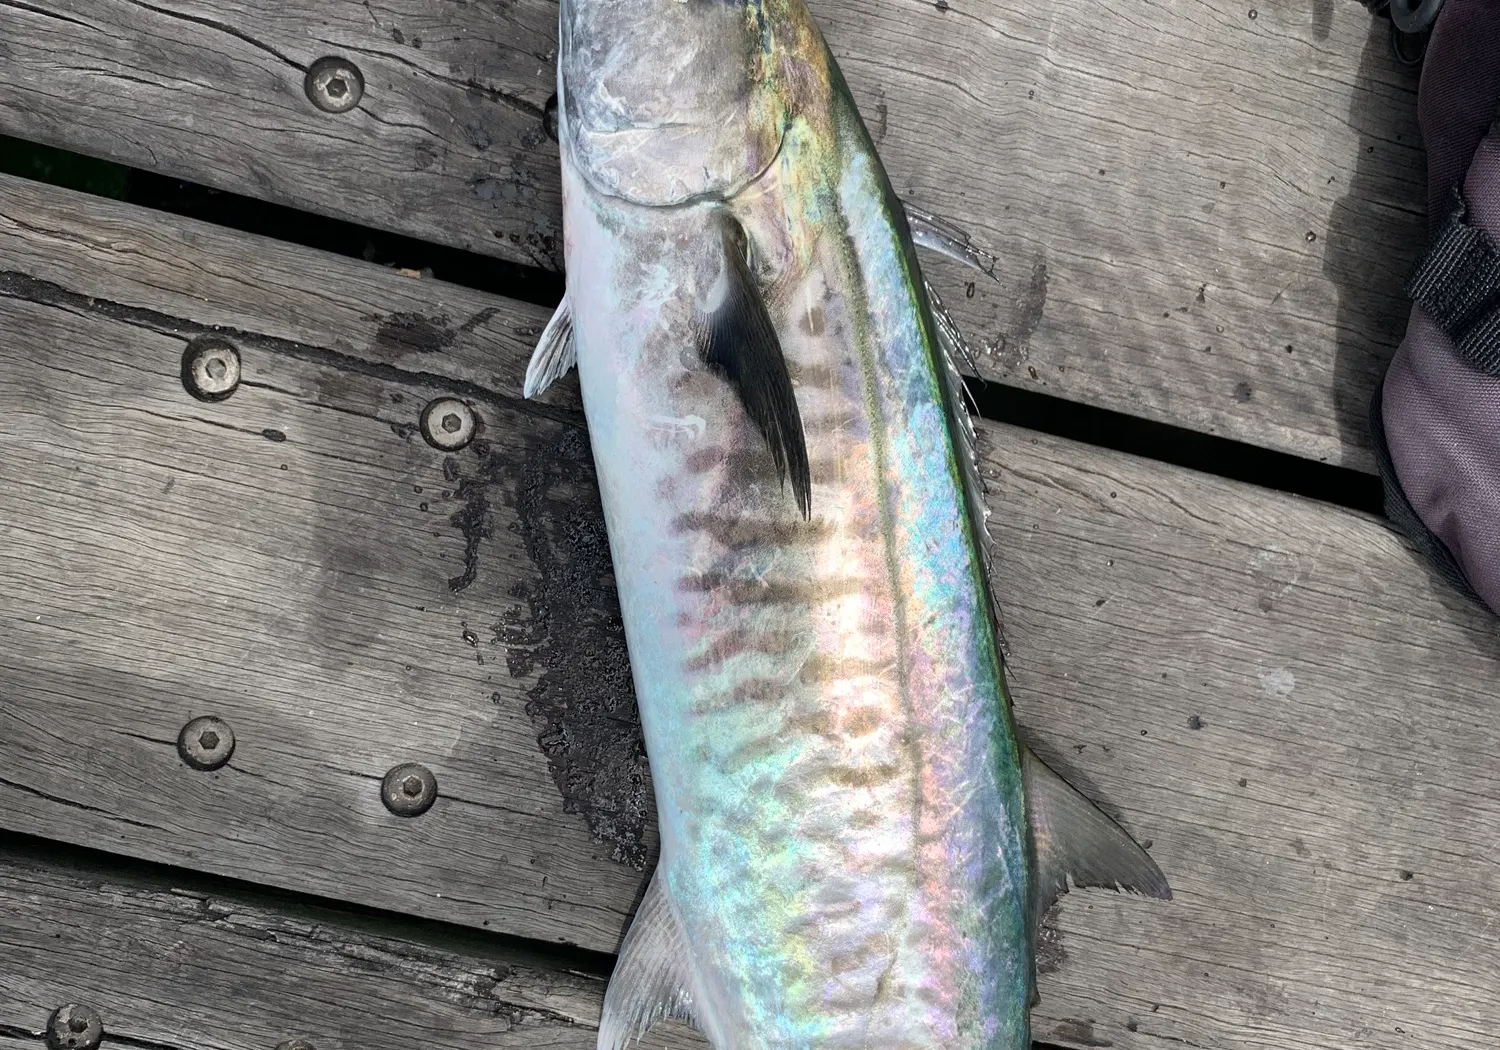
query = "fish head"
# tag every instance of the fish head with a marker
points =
(664, 102)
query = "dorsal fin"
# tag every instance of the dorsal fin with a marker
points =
(650, 979)
(1074, 840)
(737, 340)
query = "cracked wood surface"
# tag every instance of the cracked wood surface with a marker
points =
(1275, 693)
(1204, 213)
(174, 964)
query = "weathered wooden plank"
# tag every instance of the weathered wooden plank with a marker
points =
(226, 968)
(448, 139)
(297, 561)
(1204, 211)
(1275, 692)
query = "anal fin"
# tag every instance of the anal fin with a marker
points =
(650, 979)
(555, 352)
(1074, 839)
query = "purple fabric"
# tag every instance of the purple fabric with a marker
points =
(1442, 414)
(1456, 100)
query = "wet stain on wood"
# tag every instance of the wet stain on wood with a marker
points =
(1079, 1033)
(565, 629)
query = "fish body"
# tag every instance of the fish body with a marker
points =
(846, 858)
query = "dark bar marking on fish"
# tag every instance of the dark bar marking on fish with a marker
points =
(737, 340)
(765, 643)
(740, 591)
(832, 669)
(762, 691)
(865, 776)
(740, 534)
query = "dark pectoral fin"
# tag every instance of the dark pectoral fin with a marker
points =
(1074, 839)
(737, 339)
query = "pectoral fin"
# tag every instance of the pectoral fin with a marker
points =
(1074, 840)
(555, 352)
(650, 979)
(737, 340)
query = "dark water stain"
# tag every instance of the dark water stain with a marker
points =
(1322, 18)
(1029, 306)
(402, 332)
(565, 629)
(1050, 955)
(472, 520)
(1080, 1033)
(405, 332)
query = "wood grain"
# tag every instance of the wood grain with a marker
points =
(297, 561)
(449, 140)
(1273, 692)
(228, 968)
(1204, 209)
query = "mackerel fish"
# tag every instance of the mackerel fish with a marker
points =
(855, 847)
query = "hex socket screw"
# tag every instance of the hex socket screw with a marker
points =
(206, 743)
(409, 790)
(334, 85)
(448, 424)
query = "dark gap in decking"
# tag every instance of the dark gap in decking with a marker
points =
(1178, 446)
(95, 868)
(250, 215)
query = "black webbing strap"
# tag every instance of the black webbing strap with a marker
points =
(1458, 284)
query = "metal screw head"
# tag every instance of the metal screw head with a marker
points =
(334, 85)
(210, 368)
(206, 743)
(295, 1044)
(409, 790)
(448, 424)
(74, 1027)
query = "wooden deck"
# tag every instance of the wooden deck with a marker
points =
(1203, 214)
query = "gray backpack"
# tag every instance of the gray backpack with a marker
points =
(1436, 415)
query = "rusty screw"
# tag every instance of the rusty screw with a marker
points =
(409, 790)
(210, 368)
(206, 743)
(74, 1027)
(448, 424)
(334, 85)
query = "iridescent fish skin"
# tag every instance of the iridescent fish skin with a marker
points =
(844, 832)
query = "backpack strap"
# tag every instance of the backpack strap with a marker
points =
(1458, 284)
